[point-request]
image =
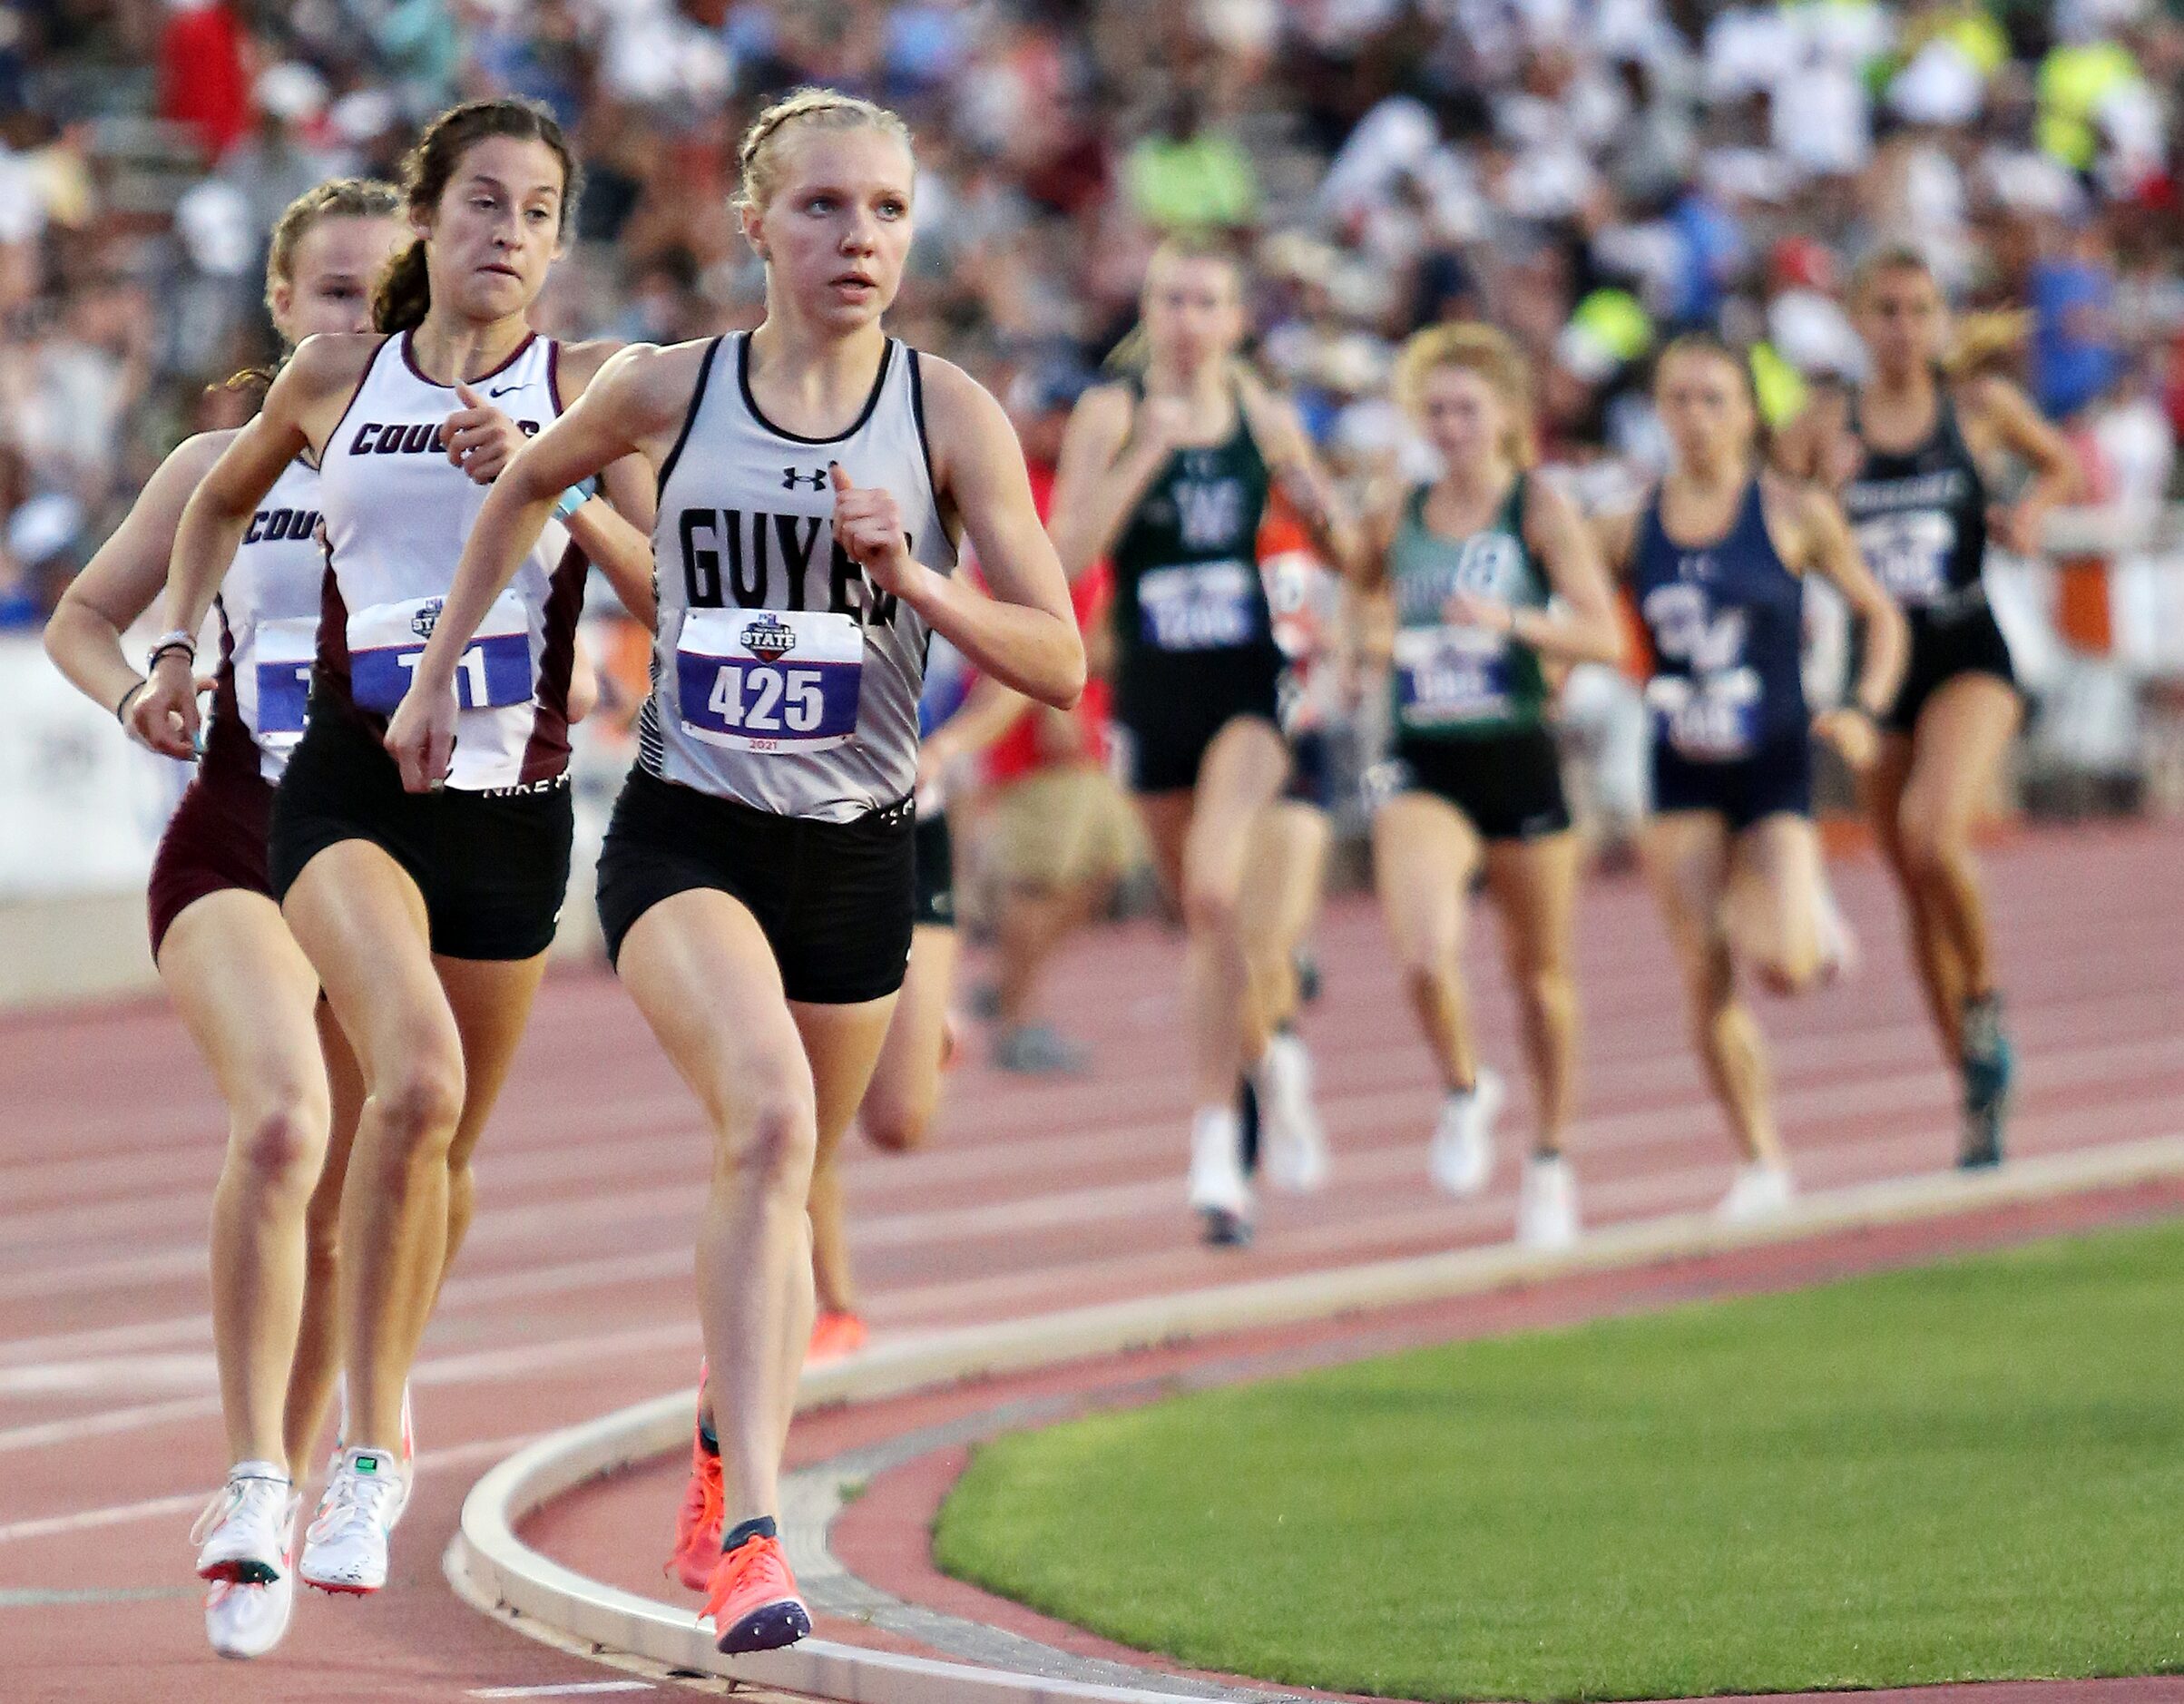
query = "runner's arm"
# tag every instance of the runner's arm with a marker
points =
(1585, 630)
(2021, 428)
(218, 513)
(614, 527)
(1616, 535)
(1296, 469)
(1025, 634)
(1104, 470)
(1885, 638)
(123, 580)
(639, 396)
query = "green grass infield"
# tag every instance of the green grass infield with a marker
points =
(1967, 1471)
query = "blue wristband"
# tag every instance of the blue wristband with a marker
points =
(575, 497)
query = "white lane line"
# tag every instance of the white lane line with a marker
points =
(1628, 1200)
(1388, 1162)
(1325, 1246)
(155, 1508)
(152, 1170)
(482, 1288)
(677, 1204)
(105, 1422)
(678, 1337)
(1624, 942)
(62, 1598)
(576, 1688)
(116, 1372)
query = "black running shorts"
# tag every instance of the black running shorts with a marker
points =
(493, 867)
(936, 873)
(1510, 786)
(1169, 713)
(1775, 781)
(215, 840)
(836, 900)
(1967, 641)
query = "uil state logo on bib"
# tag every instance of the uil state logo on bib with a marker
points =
(769, 638)
(1910, 553)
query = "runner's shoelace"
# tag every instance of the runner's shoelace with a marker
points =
(756, 1556)
(352, 1499)
(702, 1505)
(249, 1497)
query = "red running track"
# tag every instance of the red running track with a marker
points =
(573, 1295)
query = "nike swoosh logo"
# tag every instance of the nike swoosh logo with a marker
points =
(504, 390)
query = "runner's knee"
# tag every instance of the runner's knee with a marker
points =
(767, 1126)
(420, 1106)
(281, 1144)
(1211, 909)
(1789, 970)
(1929, 843)
(1426, 975)
(1547, 994)
(896, 1123)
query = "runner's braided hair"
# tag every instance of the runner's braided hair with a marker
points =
(758, 156)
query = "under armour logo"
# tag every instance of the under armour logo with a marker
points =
(1697, 566)
(792, 479)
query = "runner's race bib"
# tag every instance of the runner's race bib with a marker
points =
(1909, 554)
(1710, 718)
(386, 640)
(1448, 676)
(770, 679)
(1200, 606)
(281, 681)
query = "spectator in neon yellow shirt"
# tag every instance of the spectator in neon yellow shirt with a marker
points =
(1186, 177)
(2075, 79)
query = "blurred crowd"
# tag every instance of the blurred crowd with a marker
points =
(1593, 175)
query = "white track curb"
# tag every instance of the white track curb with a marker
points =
(493, 1568)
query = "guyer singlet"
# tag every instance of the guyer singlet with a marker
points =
(397, 514)
(782, 678)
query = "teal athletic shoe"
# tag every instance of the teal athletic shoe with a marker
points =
(1990, 1065)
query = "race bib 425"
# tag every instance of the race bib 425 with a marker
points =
(770, 679)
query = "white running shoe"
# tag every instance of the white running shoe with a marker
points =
(1296, 1143)
(1461, 1155)
(243, 1534)
(247, 1621)
(345, 1547)
(1219, 1191)
(1547, 1205)
(1762, 1188)
(1839, 942)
